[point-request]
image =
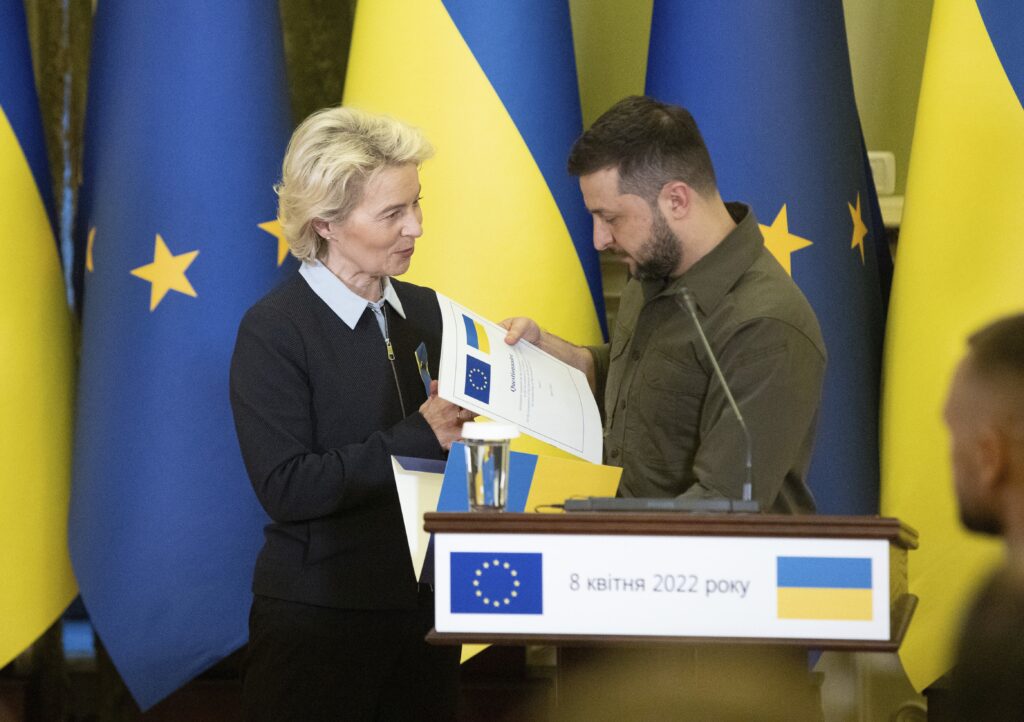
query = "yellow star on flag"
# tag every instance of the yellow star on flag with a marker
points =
(166, 273)
(274, 228)
(859, 229)
(781, 242)
(89, 242)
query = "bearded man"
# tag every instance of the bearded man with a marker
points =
(648, 181)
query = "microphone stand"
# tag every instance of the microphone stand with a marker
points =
(691, 308)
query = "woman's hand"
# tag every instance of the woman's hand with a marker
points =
(445, 418)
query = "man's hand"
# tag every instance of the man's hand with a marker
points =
(526, 328)
(521, 327)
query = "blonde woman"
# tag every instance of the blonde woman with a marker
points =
(325, 388)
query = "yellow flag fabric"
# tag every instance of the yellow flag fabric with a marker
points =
(506, 232)
(958, 266)
(36, 371)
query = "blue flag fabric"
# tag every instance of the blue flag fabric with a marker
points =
(18, 98)
(186, 127)
(770, 87)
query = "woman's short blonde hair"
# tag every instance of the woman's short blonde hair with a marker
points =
(330, 158)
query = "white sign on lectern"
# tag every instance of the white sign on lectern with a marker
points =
(688, 586)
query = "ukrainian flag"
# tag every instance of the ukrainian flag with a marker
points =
(36, 364)
(493, 86)
(960, 261)
(825, 588)
(186, 127)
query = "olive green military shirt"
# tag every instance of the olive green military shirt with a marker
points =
(667, 422)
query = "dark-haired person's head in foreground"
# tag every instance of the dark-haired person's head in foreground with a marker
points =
(647, 178)
(985, 415)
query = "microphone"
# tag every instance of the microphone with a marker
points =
(688, 303)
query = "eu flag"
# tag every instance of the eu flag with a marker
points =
(186, 127)
(497, 583)
(770, 87)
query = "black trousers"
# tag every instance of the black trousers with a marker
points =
(314, 663)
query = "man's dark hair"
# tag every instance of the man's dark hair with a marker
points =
(998, 348)
(650, 143)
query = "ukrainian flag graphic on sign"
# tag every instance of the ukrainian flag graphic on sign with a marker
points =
(497, 583)
(836, 588)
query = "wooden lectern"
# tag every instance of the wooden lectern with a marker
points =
(586, 578)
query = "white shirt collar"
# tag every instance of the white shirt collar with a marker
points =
(341, 299)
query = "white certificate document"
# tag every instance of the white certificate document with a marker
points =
(522, 385)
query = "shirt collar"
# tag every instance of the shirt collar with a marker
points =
(346, 303)
(710, 278)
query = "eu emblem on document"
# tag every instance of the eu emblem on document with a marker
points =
(478, 379)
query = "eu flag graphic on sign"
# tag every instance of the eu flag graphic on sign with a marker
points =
(478, 379)
(824, 588)
(497, 583)
(186, 127)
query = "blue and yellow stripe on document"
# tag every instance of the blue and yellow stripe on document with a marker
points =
(835, 588)
(476, 335)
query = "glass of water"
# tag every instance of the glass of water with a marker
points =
(487, 458)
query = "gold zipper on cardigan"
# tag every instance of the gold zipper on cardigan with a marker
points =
(391, 351)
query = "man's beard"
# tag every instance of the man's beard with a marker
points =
(659, 257)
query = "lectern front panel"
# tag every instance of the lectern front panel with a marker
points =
(663, 586)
